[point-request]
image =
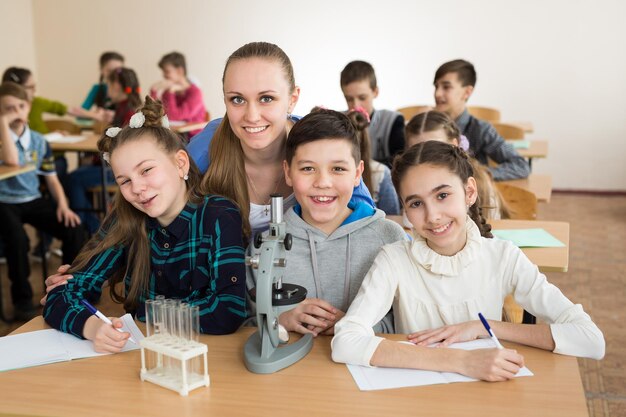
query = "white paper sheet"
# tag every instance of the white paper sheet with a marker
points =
(369, 379)
(49, 346)
(59, 138)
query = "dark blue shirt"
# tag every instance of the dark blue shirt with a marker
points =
(198, 258)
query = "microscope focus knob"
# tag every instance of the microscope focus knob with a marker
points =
(258, 240)
(288, 241)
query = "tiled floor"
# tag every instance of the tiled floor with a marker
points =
(596, 278)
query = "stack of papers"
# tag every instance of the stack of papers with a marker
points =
(529, 238)
(369, 379)
(49, 346)
(59, 138)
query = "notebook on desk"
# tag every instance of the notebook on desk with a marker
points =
(49, 346)
(529, 238)
(56, 137)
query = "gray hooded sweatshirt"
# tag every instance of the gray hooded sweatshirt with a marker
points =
(332, 267)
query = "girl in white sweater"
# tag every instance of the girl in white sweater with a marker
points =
(453, 270)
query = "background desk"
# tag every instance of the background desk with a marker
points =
(540, 185)
(547, 259)
(110, 386)
(7, 171)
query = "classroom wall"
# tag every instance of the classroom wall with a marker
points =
(560, 64)
(16, 32)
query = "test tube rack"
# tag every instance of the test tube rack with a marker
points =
(181, 380)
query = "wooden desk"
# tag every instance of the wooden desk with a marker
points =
(88, 144)
(7, 171)
(188, 127)
(537, 149)
(547, 259)
(315, 386)
(540, 185)
(525, 125)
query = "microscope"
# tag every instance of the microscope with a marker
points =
(266, 350)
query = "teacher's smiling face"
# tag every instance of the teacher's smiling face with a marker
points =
(258, 99)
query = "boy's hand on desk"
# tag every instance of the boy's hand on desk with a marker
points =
(310, 314)
(329, 330)
(67, 216)
(105, 338)
(491, 364)
(462, 332)
(53, 281)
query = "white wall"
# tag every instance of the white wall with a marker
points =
(560, 64)
(16, 32)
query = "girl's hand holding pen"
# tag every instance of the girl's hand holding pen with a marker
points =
(491, 364)
(106, 338)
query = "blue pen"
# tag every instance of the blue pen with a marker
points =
(491, 333)
(102, 317)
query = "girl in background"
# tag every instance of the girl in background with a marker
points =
(436, 125)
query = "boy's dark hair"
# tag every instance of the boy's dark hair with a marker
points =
(322, 124)
(358, 71)
(175, 59)
(13, 90)
(16, 75)
(110, 56)
(464, 70)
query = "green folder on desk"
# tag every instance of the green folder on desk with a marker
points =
(529, 238)
(519, 144)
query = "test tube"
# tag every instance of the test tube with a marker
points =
(184, 322)
(194, 335)
(150, 319)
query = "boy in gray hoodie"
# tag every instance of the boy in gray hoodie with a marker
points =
(335, 240)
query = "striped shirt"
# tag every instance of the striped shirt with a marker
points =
(485, 142)
(198, 258)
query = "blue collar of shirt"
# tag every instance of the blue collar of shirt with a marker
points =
(463, 120)
(178, 226)
(360, 210)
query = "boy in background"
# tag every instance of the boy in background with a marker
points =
(454, 85)
(386, 129)
(20, 199)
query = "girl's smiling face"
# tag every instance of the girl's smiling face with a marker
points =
(436, 203)
(258, 98)
(150, 179)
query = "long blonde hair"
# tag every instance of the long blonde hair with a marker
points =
(125, 226)
(226, 175)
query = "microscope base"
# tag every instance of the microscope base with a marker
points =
(280, 358)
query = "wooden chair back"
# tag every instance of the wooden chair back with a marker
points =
(522, 204)
(488, 114)
(411, 111)
(63, 125)
(509, 131)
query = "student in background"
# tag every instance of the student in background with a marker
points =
(123, 89)
(181, 98)
(386, 130)
(97, 103)
(243, 152)
(38, 105)
(452, 270)
(435, 125)
(335, 239)
(454, 85)
(20, 199)
(163, 236)
(376, 176)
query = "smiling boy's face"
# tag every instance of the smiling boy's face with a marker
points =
(323, 174)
